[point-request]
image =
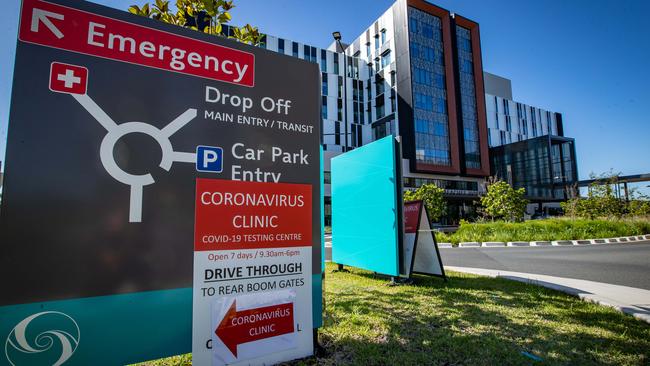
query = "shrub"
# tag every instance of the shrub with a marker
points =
(545, 230)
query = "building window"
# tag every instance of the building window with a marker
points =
(413, 24)
(380, 88)
(361, 114)
(324, 87)
(432, 144)
(337, 133)
(377, 41)
(295, 49)
(385, 59)
(324, 107)
(383, 36)
(468, 97)
(427, 30)
(380, 108)
(533, 120)
(359, 135)
(336, 63)
(339, 109)
(353, 67)
(280, 45)
(368, 49)
(327, 179)
(383, 129)
(323, 60)
(356, 135)
(349, 71)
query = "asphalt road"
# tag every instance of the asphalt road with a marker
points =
(618, 264)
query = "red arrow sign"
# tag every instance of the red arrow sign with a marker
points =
(250, 325)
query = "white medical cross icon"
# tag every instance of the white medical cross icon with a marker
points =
(69, 79)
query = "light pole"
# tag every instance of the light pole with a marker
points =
(337, 38)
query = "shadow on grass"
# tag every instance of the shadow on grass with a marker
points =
(470, 320)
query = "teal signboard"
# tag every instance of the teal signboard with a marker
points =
(366, 207)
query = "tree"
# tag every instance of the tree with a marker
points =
(433, 198)
(572, 204)
(504, 202)
(639, 205)
(600, 201)
(207, 16)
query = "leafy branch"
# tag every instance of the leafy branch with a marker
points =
(206, 16)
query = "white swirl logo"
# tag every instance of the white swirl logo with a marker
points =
(47, 338)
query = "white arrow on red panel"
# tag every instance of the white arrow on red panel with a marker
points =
(39, 15)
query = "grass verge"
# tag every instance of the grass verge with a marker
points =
(545, 230)
(469, 320)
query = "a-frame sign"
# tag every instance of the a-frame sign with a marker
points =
(420, 250)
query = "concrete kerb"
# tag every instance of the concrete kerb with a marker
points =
(519, 243)
(493, 244)
(562, 242)
(500, 244)
(469, 244)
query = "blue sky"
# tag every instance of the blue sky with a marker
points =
(588, 59)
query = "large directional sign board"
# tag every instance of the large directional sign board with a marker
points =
(366, 207)
(161, 195)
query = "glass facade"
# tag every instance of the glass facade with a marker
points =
(452, 186)
(458, 195)
(429, 93)
(545, 166)
(468, 98)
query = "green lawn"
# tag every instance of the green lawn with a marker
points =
(468, 320)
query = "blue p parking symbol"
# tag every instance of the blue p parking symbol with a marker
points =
(209, 159)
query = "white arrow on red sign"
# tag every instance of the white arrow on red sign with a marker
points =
(250, 325)
(43, 16)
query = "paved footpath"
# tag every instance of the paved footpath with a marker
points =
(630, 300)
